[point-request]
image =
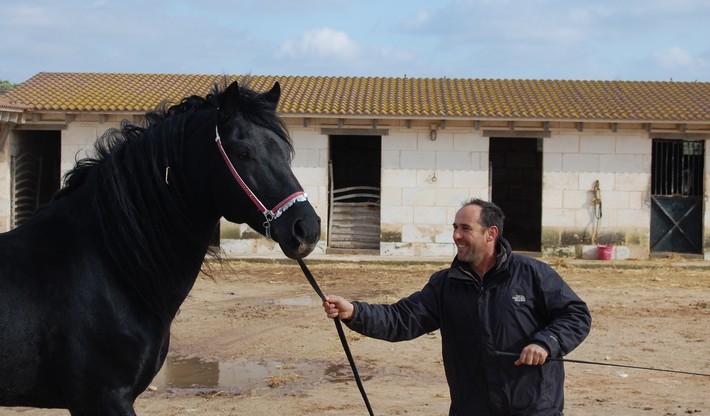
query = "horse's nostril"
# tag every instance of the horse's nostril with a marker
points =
(298, 230)
(305, 232)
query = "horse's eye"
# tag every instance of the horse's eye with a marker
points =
(243, 154)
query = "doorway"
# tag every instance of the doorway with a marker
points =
(677, 196)
(516, 187)
(35, 172)
(354, 197)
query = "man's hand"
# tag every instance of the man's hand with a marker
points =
(338, 307)
(533, 354)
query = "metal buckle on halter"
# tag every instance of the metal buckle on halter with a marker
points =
(269, 216)
(267, 229)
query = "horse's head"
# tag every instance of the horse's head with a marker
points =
(257, 185)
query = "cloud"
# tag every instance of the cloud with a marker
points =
(604, 39)
(418, 22)
(321, 43)
(680, 64)
(673, 57)
(326, 51)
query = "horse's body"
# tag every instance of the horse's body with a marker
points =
(91, 283)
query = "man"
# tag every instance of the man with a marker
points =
(490, 300)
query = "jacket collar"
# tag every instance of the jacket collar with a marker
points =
(463, 270)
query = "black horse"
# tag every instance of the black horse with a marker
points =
(91, 283)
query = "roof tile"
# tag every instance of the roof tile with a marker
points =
(376, 97)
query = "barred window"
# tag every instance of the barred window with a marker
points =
(677, 168)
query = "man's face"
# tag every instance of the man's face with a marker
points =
(470, 237)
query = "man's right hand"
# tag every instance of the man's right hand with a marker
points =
(338, 307)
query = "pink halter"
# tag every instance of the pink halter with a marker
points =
(269, 214)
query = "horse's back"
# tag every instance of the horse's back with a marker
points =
(38, 264)
(62, 313)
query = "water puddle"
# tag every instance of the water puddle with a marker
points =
(301, 300)
(242, 375)
(195, 373)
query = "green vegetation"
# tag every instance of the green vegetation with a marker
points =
(5, 86)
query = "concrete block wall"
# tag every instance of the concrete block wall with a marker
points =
(424, 183)
(706, 212)
(78, 141)
(572, 162)
(5, 198)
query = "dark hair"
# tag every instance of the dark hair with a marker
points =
(491, 214)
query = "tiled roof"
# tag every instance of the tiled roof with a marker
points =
(385, 97)
(7, 104)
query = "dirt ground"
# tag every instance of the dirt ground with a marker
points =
(251, 339)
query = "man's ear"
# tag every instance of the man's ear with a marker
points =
(492, 233)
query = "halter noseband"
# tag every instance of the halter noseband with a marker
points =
(269, 214)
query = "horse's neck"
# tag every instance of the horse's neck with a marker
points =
(159, 253)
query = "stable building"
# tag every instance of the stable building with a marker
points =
(388, 161)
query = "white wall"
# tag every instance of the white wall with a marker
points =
(5, 199)
(573, 161)
(78, 141)
(424, 182)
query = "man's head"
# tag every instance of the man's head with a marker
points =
(491, 214)
(477, 227)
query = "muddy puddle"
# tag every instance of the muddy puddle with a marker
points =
(195, 374)
(299, 300)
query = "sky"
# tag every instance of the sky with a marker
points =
(638, 40)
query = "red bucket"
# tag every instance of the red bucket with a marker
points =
(604, 252)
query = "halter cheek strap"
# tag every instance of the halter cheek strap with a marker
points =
(269, 214)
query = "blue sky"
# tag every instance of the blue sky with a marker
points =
(644, 40)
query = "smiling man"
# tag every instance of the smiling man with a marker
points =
(490, 300)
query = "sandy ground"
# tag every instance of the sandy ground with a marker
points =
(251, 339)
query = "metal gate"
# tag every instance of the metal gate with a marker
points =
(354, 219)
(677, 196)
(26, 179)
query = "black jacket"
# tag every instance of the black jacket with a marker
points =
(520, 301)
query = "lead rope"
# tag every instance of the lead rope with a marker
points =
(269, 216)
(569, 360)
(341, 334)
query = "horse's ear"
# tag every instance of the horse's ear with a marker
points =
(229, 102)
(272, 96)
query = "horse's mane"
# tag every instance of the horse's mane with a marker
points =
(146, 225)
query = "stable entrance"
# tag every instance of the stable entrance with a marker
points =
(354, 205)
(35, 172)
(516, 187)
(677, 196)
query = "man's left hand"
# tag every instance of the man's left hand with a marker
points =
(533, 354)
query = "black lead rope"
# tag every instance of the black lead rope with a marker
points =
(341, 334)
(512, 354)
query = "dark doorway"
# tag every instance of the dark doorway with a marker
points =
(516, 187)
(354, 214)
(677, 196)
(35, 172)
